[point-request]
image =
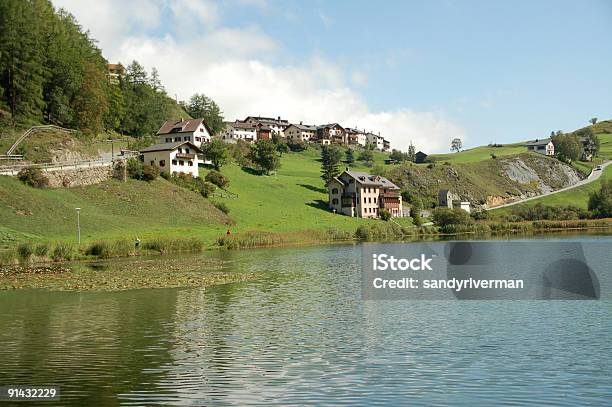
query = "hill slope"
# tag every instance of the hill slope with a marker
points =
(109, 210)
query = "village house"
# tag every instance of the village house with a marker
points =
(176, 157)
(235, 131)
(376, 140)
(264, 132)
(359, 194)
(194, 130)
(277, 126)
(449, 199)
(300, 132)
(544, 146)
(331, 133)
(355, 137)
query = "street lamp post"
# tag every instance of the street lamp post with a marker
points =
(78, 211)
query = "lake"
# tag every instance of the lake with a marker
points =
(302, 334)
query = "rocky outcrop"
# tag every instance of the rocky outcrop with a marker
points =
(547, 174)
(78, 177)
(485, 183)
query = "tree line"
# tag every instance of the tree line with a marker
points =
(52, 71)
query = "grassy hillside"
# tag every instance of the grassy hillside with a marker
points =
(292, 199)
(478, 154)
(109, 210)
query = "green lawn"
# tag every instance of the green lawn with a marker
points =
(479, 153)
(292, 199)
(108, 211)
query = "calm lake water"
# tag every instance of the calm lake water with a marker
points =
(303, 335)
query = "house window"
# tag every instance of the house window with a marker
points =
(334, 201)
(162, 163)
(174, 162)
(152, 162)
(201, 129)
(168, 139)
(177, 139)
(181, 162)
(334, 190)
(365, 200)
(369, 200)
(198, 139)
(374, 200)
(186, 138)
(180, 150)
(190, 163)
(187, 150)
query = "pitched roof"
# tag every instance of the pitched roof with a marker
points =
(372, 180)
(182, 126)
(169, 147)
(323, 126)
(304, 127)
(269, 120)
(240, 125)
(537, 142)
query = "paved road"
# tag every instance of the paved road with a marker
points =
(594, 176)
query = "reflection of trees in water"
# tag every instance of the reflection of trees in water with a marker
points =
(93, 345)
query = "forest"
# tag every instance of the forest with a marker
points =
(52, 71)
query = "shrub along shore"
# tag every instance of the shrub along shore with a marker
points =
(37, 253)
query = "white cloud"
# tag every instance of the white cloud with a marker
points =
(244, 70)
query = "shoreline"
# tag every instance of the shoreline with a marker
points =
(149, 269)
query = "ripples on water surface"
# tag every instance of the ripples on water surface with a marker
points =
(302, 335)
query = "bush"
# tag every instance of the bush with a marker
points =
(222, 206)
(33, 177)
(480, 215)
(385, 215)
(99, 249)
(540, 211)
(25, 251)
(174, 245)
(149, 172)
(105, 250)
(218, 179)
(297, 146)
(134, 168)
(455, 216)
(600, 202)
(196, 184)
(61, 252)
(41, 250)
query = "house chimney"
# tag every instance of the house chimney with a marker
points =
(300, 122)
(278, 118)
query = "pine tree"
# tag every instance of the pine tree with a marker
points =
(201, 106)
(21, 59)
(330, 159)
(350, 156)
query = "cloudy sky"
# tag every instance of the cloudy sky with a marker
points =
(420, 71)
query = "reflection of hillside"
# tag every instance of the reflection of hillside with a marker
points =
(94, 345)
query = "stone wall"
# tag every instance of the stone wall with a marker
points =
(78, 177)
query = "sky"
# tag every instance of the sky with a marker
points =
(416, 71)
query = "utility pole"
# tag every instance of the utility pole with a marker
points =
(78, 211)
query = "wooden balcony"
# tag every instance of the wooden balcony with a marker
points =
(185, 156)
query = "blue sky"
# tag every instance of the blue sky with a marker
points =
(487, 71)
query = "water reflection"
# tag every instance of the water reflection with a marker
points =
(302, 335)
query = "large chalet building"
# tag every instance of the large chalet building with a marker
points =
(193, 130)
(363, 195)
